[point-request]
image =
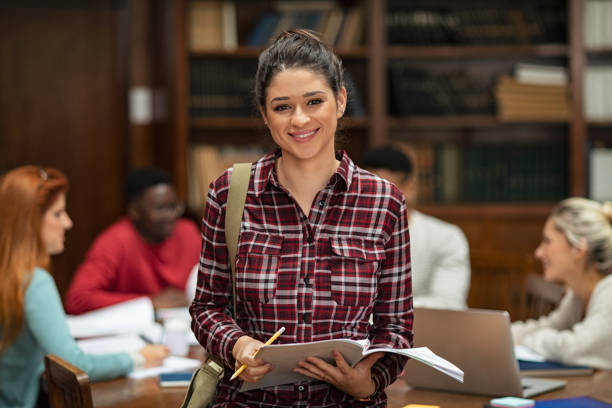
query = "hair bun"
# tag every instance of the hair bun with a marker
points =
(606, 209)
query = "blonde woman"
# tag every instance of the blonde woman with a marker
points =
(576, 250)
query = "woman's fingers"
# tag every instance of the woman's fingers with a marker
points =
(316, 368)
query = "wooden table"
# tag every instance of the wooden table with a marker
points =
(147, 393)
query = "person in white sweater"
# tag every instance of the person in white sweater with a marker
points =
(576, 250)
(439, 253)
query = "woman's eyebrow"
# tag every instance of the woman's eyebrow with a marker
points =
(285, 98)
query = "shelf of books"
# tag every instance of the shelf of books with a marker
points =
(224, 39)
(597, 96)
(479, 93)
(505, 106)
(477, 51)
(483, 90)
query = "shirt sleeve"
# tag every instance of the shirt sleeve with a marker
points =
(47, 322)
(91, 286)
(450, 274)
(212, 321)
(587, 342)
(562, 318)
(393, 314)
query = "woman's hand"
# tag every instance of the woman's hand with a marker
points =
(154, 355)
(356, 381)
(243, 351)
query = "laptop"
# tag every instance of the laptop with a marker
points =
(480, 343)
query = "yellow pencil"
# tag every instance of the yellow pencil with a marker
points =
(267, 343)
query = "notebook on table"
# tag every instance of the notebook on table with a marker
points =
(552, 369)
(480, 343)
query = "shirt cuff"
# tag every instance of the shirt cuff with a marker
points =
(138, 360)
(231, 339)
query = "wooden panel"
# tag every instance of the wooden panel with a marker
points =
(62, 104)
(501, 256)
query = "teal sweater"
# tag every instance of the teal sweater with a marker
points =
(46, 332)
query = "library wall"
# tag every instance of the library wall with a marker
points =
(480, 90)
(66, 81)
(62, 105)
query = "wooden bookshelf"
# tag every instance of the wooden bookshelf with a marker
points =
(507, 226)
(478, 51)
(253, 53)
(376, 54)
(255, 123)
(458, 121)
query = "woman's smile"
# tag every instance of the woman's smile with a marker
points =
(304, 136)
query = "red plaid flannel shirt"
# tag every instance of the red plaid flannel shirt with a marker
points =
(321, 276)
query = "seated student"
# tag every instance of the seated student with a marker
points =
(150, 252)
(439, 251)
(576, 250)
(33, 223)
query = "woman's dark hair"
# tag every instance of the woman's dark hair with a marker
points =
(297, 48)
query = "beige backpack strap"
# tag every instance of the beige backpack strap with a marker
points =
(236, 197)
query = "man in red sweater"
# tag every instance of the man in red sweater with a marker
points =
(149, 252)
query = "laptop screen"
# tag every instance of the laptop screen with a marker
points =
(479, 342)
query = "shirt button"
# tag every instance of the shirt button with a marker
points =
(321, 203)
(309, 239)
(307, 280)
(305, 317)
(301, 388)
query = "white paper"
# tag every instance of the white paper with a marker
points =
(171, 364)
(173, 313)
(127, 317)
(284, 357)
(125, 343)
(526, 354)
(428, 357)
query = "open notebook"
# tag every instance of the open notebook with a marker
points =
(480, 342)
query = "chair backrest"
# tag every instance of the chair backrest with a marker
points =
(68, 385)
(541, 296)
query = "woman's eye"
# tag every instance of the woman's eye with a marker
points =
(281, 108)
(315, 101)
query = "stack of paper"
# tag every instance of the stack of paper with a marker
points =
(127, 317)
(132, 342)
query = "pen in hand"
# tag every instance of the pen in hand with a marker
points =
(267, 343)
(146, 339)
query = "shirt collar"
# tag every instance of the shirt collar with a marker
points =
(265, 173)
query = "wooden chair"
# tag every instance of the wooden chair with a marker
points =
(68, 385)
(541, 297)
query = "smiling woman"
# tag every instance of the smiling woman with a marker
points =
(576, 250)
(323, 246)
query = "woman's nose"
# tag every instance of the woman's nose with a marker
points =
(299, 117)
(68, 222)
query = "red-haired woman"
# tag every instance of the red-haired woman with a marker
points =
(33, 222)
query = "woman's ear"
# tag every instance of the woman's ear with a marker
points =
(580, 249)
(262, 112)
(341, 102)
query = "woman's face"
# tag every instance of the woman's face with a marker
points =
(302, 113)
(55, 222)
(559, 259)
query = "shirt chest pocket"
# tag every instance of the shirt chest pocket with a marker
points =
(354, 264)
(257, 262)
